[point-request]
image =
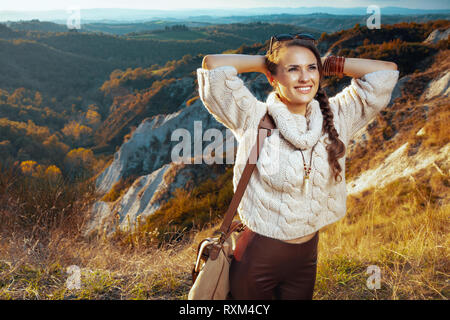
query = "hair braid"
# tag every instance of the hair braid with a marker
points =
(335, 148)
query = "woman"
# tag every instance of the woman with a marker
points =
(299, 185)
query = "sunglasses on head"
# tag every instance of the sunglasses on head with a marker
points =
(290, 36)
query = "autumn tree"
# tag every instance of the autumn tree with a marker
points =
(92, 118)
(53, 174)
(77, 133)
(79, 163)
(28, 167)
(55, 148)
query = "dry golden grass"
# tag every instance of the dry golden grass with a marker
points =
(399, 229)
(402, 229)
(108, 271)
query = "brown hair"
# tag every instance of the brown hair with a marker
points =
(335, 148)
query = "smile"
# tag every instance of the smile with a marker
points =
(304, 90)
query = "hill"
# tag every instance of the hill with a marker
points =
(59, 80)
(146, 215)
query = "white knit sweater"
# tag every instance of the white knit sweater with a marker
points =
(275, 203)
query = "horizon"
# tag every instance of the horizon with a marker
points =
(94, 12)
(177, 5)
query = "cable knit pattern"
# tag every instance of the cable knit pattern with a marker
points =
(364, 98)
(230, 103)
(273, 203)
(307, 133)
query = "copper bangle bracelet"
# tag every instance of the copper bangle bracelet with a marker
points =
(334, 65)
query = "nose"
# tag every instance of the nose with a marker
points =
(304, 76)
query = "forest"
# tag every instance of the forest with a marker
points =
(60, 91)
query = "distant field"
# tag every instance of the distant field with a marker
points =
(173, 35)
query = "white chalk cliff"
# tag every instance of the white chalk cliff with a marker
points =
(148, 154)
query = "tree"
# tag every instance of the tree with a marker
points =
(28, 167)
(77, 133)
(56, 150)
(93, 118)
(37, 99)
(79, 163)
(53, 173)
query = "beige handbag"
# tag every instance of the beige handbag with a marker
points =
(210, 274)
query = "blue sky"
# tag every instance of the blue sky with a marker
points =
(41, 5)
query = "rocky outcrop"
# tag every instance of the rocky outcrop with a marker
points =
(150, 146)
(396, 165)
(148, 154)
(437, 35)
(128, 110)
(147, 194)
(438, 87)
(397, 92)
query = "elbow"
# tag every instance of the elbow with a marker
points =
(206, 62)
(391, 65)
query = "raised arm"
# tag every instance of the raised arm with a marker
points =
(357, 67)
(370, 91)
(241, 62)
(224, 94)
(353, 67)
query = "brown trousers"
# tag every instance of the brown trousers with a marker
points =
(264, 268)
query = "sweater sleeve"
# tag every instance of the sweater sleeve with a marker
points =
(226, 97)
(361, 101)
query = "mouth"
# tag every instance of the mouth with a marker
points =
(303, 89)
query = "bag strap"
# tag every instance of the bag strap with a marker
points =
(265, 127)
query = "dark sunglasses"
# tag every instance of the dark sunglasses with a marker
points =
(290, 36)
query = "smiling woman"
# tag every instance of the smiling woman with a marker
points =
(282, 214)
(294, 74)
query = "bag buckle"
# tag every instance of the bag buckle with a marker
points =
(222, 237)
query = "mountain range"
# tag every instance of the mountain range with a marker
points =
(111, 15)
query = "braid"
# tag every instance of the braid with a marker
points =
(335, 148)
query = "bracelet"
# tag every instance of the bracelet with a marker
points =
(334, 65)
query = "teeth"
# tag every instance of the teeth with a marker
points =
(305, 89)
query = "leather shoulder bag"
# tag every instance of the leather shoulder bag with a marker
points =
(210, 274)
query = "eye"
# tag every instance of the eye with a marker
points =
(292, 69)
(313, 67)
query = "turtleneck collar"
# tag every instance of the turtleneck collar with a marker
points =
(302, 131)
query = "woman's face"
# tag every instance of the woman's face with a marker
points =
(297, 79)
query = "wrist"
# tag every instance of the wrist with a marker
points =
(334, 66)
